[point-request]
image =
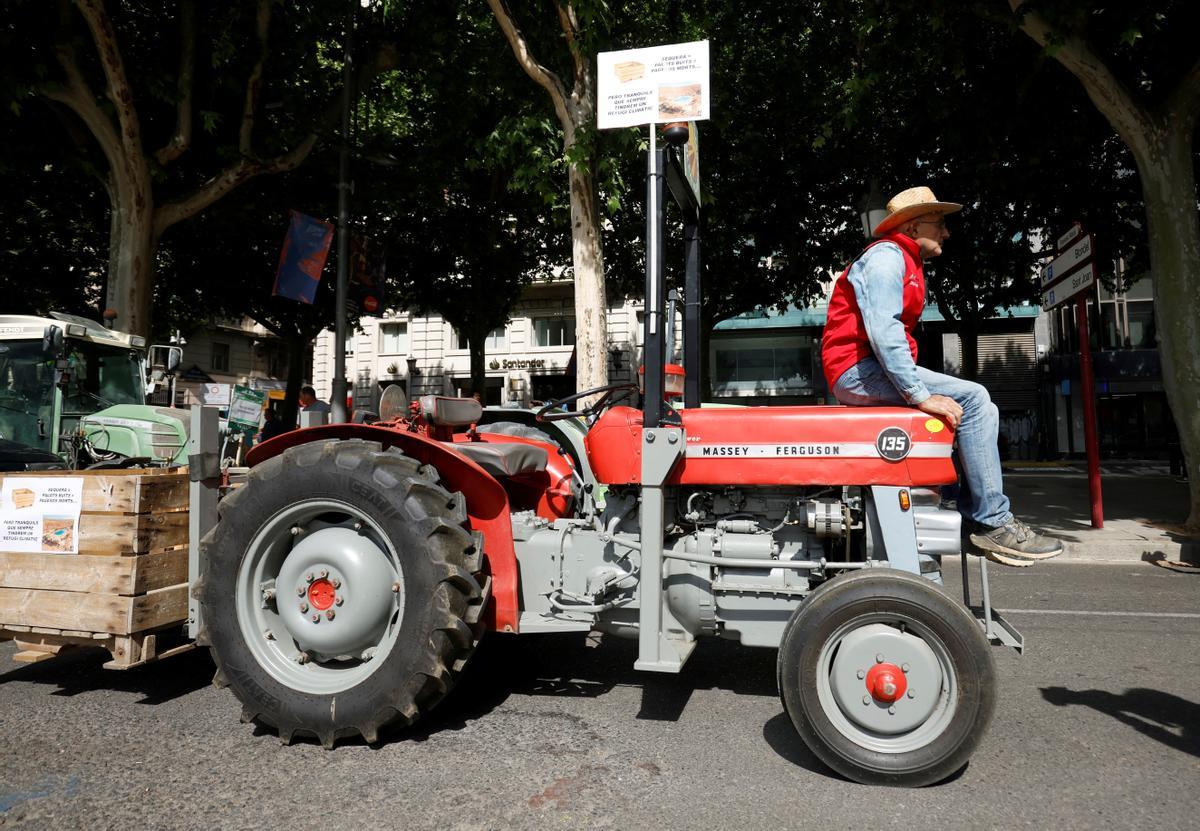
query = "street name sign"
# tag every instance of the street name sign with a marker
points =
(1070, 235)
(1069, 286)
(1066, 262)
(655, 85)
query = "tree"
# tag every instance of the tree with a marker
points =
(1140, 67)
(575, 109)
(147, 194)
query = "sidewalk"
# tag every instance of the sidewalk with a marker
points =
(1143, 507)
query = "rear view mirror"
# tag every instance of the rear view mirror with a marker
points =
(167, 358)
(52, 341)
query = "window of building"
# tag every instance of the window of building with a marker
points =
(220, 357)
(1140, 314)
(554, 331)
(496, 340)
(393, 338)
(350, 343)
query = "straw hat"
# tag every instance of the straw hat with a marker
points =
(912, 203)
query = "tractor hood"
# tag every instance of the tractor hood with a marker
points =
(138, 431)
(784, 446)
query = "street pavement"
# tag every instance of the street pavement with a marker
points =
(1098, 725)
(1143, 507)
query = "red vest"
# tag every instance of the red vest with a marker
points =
(844, 342)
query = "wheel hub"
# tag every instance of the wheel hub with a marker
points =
(338, 567)
(321, 594)
(885, 680)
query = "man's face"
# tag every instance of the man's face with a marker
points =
(306, 399)
(930, 232)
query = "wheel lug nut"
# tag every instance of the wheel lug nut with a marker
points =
(330, 615)
(315, 618)
(268, 634)
(324, 573)
(891, 711)
(337, 601)
(866, 699)
(911, 694)
(295, 530)
(336, 583)
(861, 674)
(358, 526)
(303, 608)
(396, 587)
(879, 658)
(300, 590)
(268, 595)
(904, 667)
(302, 658)
(309, 577)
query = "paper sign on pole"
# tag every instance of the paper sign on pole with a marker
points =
(215, 395)
(41, 514)
(245, 409)
(653, 85)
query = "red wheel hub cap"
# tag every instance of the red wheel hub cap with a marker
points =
(321, 594)
(886, 683)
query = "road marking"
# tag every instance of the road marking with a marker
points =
(1188, 615)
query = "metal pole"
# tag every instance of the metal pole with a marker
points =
(693, 361)
(1087, 381)
(337, 405)
(652, 351)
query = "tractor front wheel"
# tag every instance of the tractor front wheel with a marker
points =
(339, 591)
(887, 680)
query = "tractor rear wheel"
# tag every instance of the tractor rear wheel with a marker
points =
(339, 591)
(886, 678)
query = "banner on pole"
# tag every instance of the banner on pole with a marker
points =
(652, 86)
(305, 249)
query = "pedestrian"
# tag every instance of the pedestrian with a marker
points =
(870, 358)
(272, 426)
(310, 403)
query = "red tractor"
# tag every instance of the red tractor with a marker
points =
(348, 582)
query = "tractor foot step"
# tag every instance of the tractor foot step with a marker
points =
(998, 630)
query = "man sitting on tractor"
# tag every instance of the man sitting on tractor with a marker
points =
(870, 358)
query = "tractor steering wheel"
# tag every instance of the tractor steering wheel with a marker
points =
(612, 393)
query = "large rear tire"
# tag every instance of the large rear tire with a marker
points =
(339, 592)
(886, 678)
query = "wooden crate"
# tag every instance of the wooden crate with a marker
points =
(126, 585)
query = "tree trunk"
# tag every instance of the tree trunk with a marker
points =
(131, 264)
(297, 351)
(591, 302)
(475, 343)
(1173, 224)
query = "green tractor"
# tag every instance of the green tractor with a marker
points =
(73, 395)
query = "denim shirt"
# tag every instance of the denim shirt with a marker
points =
(878, 280)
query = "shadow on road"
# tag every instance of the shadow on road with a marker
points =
(1167, 718)
(81, 671)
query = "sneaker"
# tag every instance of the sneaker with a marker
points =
(1015, 544)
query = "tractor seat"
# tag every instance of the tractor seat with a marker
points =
(504, 458)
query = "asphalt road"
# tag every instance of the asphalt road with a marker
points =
(1098, 725)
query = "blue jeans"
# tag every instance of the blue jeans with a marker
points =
(982, 496)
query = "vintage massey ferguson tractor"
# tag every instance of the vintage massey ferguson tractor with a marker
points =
(348, 582)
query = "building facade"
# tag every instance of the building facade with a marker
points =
(529, 360)
(1133, 417)
(227, 353)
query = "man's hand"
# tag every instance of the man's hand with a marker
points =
(943, 407)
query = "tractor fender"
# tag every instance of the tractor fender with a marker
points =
(487, 503)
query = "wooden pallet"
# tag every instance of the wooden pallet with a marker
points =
(125, 587)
